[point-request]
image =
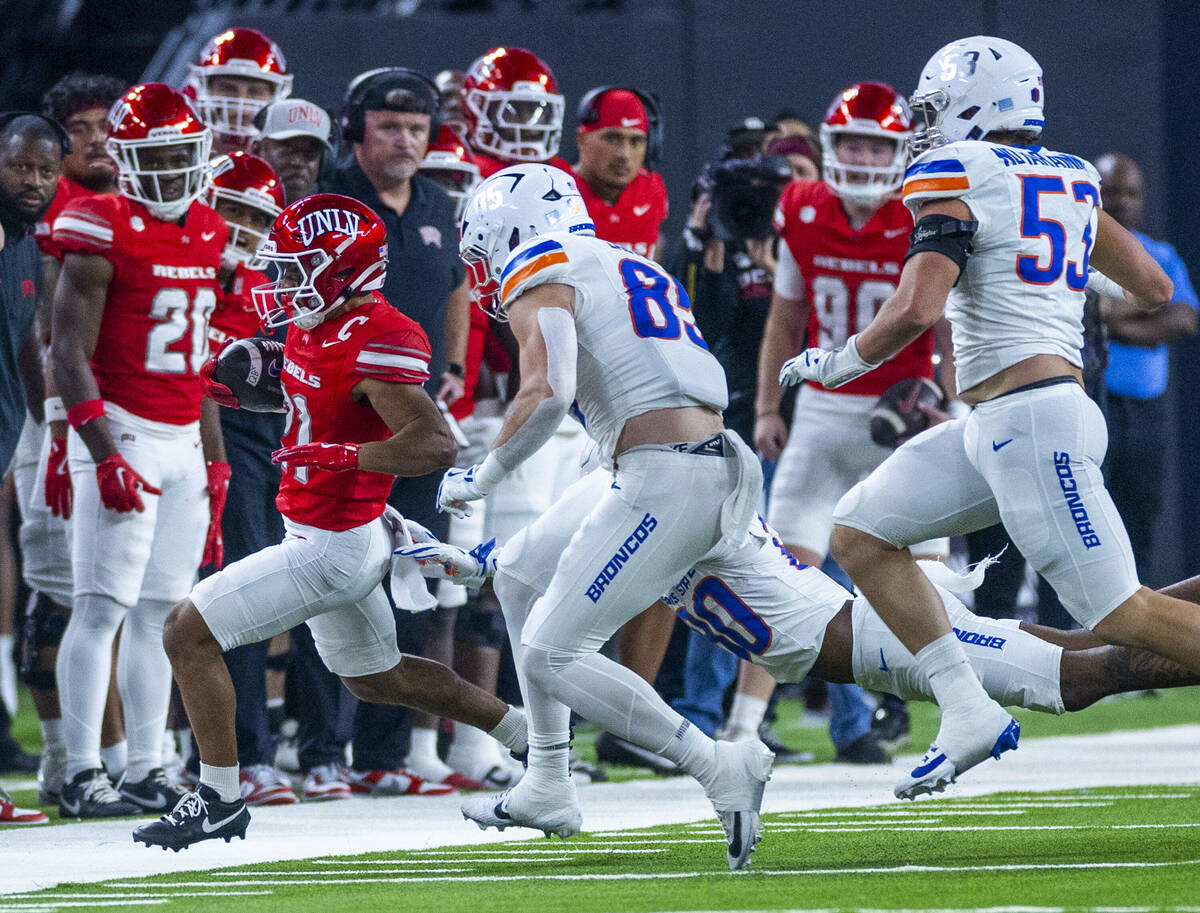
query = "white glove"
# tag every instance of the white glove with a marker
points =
(442, 561)
(459, 486)
(829, 368)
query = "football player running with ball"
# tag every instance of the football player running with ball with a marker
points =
(358, 416)
(606, 335)
(1004, 233)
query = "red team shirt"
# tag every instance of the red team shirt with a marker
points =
(154, 333)
(235, 316)
(321, 366)
(633, 221)
(848, 274)
(68, 191)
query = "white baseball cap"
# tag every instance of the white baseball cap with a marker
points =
(294, 117)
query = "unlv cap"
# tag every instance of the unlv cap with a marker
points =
(147, 126)
(322, 251)
(866, 109)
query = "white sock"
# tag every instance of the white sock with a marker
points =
(223, 779)
(423, 757)
(115, 759)
(693, 752)
(8, 675)
(548, 765)
(144, 678)
(83, 672)
(512, 731)
(951, 677)
(52, 738)
(745, 716)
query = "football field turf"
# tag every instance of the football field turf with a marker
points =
(1106, 820)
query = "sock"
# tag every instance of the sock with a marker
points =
(115, 760)
(144, 678)
(745, 716)
(951, 677)
(548, 765)
(223, 779)
(693, 752)
(473, 748)
(52, 738)
(512, 731)
(423, 757)
(8, 675)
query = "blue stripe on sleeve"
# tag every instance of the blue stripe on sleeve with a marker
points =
(536, 251)
(946, 165)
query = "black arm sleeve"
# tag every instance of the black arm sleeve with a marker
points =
(944, 235)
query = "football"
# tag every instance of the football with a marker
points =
(897, 416)
(252, 368)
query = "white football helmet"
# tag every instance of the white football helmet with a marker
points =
(974, 86)
(512, 206)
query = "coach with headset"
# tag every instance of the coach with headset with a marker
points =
(388, 117)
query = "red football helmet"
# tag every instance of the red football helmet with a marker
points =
(161, 148)
(866, 109)
(251, 183)
(512, 106)
(245, 54)
(324, 249)
(449, 162)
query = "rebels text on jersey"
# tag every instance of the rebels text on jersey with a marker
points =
(321, 367)
(1021, 292)
(848, 275)
(154, 333)
(68, 191)
(633, 221)
(235, 316)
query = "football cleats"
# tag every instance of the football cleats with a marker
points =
(449, 162)
(239, 52)
(512, 106)
(512, 206)
(324, 249)
(866, 109)
(145, 126)
(246, 179)
(974, 86)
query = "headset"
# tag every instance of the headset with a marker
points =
(64, 138)
(354, 116)
(589, 112)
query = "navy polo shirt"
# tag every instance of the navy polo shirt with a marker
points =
(423, 264)
(20, 273)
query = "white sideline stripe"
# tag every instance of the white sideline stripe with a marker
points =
(943, 807)
(639, 876)
(40, 906)
(893, 826)
(323, 875)
(55, 895)
(1008, 909)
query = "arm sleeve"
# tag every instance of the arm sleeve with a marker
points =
(397, 356)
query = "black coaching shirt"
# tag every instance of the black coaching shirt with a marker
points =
(20, 273)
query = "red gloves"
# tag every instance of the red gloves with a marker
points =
(59, 493)
(217, 392)
(330, 457)
(218, 488)
(119, 485)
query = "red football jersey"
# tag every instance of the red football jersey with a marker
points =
(489, 165)
(154, 333)
(848, 274)
(633, 221)
(235, 316)
(320, 368)
(66, 193)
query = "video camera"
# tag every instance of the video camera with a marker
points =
(744, 193)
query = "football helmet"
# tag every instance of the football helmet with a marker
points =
(975, 86)
(246, 179)
(323, 250)
(449, 162)
(144, 125)
(237, 52)
(512, 206)
(512, 106)
(866, 109)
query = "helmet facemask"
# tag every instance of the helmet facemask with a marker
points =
(523, 125)
(863, 184)
(232, 116)
(167, 192)
(244, 240)
(927, 113)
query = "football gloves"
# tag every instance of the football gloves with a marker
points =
(59, 493)
(441, 561)
(218, 489)
(330, 457)
(458, 487)
(120, 485)
(831, 368)
(217, 392)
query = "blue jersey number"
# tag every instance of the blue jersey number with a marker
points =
(654, 314)
(1035, 225)
(718, 613)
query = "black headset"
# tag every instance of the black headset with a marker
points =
(354, 115)
(64, 138)
(589, 113)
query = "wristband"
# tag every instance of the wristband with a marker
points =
(87, 411)
(54, 409)
(457, 370)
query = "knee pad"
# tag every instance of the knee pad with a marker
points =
(479, 627)
(45, 623)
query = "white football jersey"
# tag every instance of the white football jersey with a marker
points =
(765, 606)
(639, 348)
(1021, 293)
